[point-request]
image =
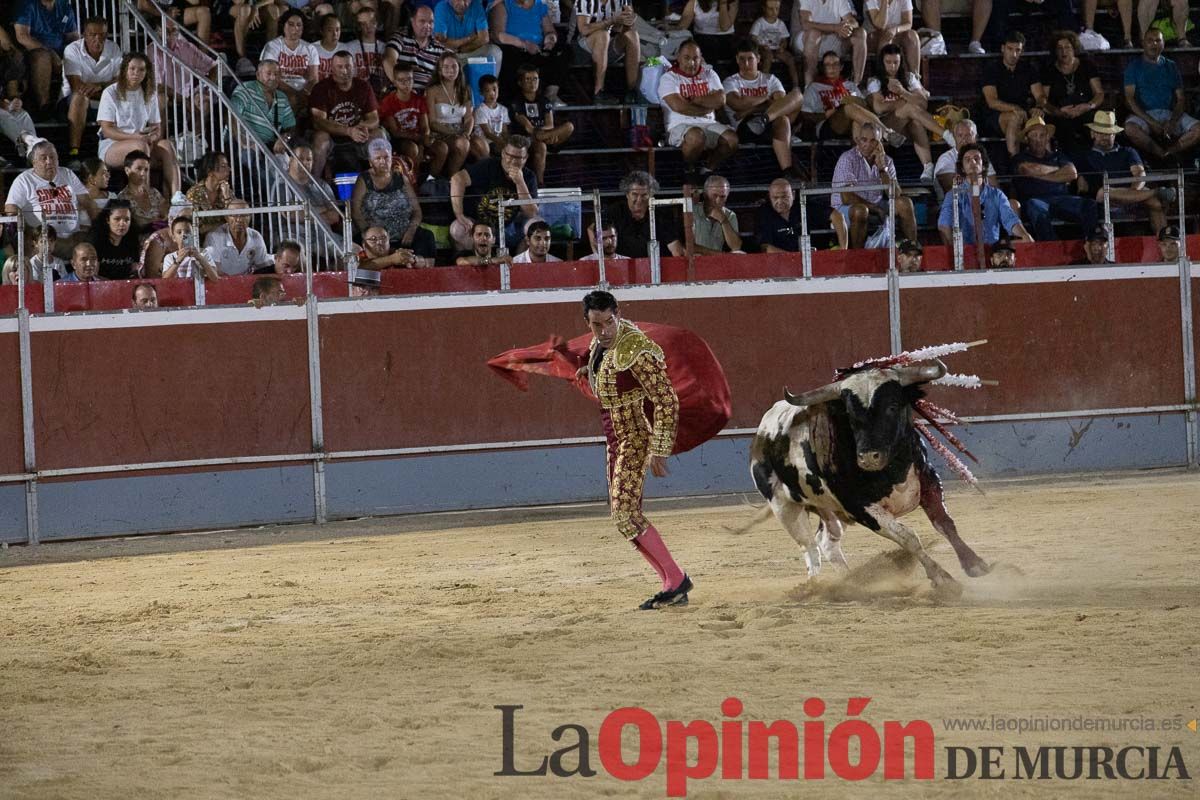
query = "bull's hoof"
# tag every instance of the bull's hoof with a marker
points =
(947, 590)
(977, 568)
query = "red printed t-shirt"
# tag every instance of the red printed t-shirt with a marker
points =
(344, 107)
(406, 113)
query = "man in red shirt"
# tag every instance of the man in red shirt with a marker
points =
(345, 117)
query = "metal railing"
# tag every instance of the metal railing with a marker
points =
(501, 234)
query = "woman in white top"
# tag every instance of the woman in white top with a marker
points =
(129, 121)
(451, 117)
(298, 60)
(898, 98)
(184, 260)
(711, 23)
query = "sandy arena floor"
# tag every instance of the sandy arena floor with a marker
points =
(364, 659)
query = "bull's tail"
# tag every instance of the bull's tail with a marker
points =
(761, 514)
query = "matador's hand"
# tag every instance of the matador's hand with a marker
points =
(581, 373)
(658, 465)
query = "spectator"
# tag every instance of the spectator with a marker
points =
(1003, 255)
(264, 108)
(608, 35)
(129, 120)
(538, 252)
(365, 283)
(691, 94)
(1095, 247)
(631, 218)
(44, 28)
(526, 34)
(85, 264)
(779, 225)
(10, 275)
(770, 34)
(759, 108)
(493, 180)
(1168, 244)
(297, 59)
(17, 126)
(821, 27)
(866, 163)
(1109, 158)
(345, 116)
(288, 260)
(115, 237)
(491, 120)
(267, 291)
(1008, 92)
(946, 169)
(995, 213)
(44, 241)
(1068, 91)
(148, 205)
(12, 66)
(533, 115)
(715, 227)
(405, 116)
(330, 43)
(908, 256)
(451, 117)
(711, 23)
(212, 191)
(837, 108)
(315, 190)
(176, 84)
(377, 252)
(897, 96)
(483, 249)
(89, 66)
(462, 26)
(249, 15)
(384, 198)
(1147, 9)
(418, 48)
(194, 14)
(368, 50)
(1124, 11)
(144, 296)
(95, 176)
(237, 248)
(47, 194)
(185, 259)
(1043, 183)
(608, 241)
(890, 22)
(1154, 93)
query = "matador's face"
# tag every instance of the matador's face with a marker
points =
(603, 325)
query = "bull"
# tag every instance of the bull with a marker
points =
(849, 452)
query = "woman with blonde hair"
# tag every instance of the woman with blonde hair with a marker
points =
(129, 120)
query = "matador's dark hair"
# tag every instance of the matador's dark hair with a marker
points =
(598, 301)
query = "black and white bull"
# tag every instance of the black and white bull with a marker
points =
(849, 452)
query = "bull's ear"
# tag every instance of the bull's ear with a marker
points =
(826, 393)
(920, 374)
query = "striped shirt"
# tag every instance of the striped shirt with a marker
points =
(852, 169)
(423, 59)
(250, 105)
(596, 10)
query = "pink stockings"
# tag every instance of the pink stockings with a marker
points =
(654, 550)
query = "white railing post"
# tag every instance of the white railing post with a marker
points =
(957, 237)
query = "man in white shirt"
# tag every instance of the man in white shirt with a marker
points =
(237, 248)
(760, 109)
(608, 241)
(89, 65)
(819, 26)
(538, 236)
(52, 195)
(691, 94)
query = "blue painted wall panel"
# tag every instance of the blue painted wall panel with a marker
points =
(12, 512)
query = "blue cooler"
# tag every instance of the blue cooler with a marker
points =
(476, 69)
(344, 181)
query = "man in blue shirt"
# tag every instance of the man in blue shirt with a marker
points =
(462, 26)
(1117, 161)
(995, 211)
(44, 28)
(1044, 182)
(1154, 93)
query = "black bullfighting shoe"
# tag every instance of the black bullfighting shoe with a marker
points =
(672, 597)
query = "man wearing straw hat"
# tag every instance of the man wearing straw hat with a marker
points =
(1044, 182)
(1118, 161)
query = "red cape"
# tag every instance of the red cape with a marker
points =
(704, 404)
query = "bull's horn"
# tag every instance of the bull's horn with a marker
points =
(811, 398)
(920, 374)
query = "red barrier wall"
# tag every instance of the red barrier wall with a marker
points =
(12, 459)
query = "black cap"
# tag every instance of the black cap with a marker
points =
(1001, 245)
(367, 277)
(1098, 234)
(1169, 232)
(909, 246)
